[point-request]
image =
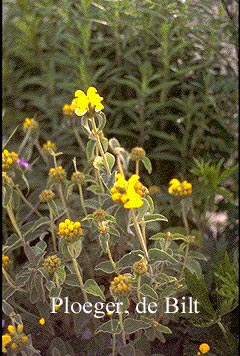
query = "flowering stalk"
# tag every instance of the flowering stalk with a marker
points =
(52, 228)
(122, 327)
(111, 259)
(139, 234)
(184, 216)
(78, 273)
(82, 199)
(137, 167)
(14, 222)
(63, 199)
(99, 145)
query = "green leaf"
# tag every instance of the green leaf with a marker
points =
(105, 266)
(194, 267)
(127, 350)
(91, 287)
(7, 308)
(72, 280)
(55, 292)
(157, 255)
(52, 206)
(163, 329)
(154, 217)
(158, 236)
(129, 259)
(110, 159)
(112, 327)
(64, 249)
(76, 248)
(7, 194)
(147, 164)
(132, 325)
(146, 290)
(61, 274)
(90, 150)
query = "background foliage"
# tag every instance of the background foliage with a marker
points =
(168, 73)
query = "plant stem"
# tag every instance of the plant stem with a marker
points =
(185, 260)
(56, 279)
(122, 327)
(119, 165)
(63, 199)
(24, 142)
(139, 234)
(14, 223)
(114, 344)
(111, 259)
(185, 221)
(82, 199)
(137, 168)
(99, 145)
(78, 273)
(138, 287)
(222, 327)
(8, 278)
(52, 227)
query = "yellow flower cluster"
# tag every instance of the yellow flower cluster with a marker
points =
(46, 196)
(129, 192)
(8, 158)
(68, 109)
(85, 103)
(69, 230)
(14, 338)
(203, 348)
(180, 189)
(51, 263)
(140, 267)
(58, 174)
(30, 124)
(51, 145)
(5, 261)
(120, 286)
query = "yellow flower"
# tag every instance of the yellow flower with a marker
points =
(120, 286)
(6, 338)
(179, 189)
(14, 346)
(68, 109)
(57, 174)
(25, 339)
(128, 192)
(20, 328)
(8, 158)
(5, 261)
(52, 263)
(204, 348)
(42, 321)
(51, 145)
(11, 329)
(30, 124)
(69, 230)
(89, 102)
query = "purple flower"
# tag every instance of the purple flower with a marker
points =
(3, 323)
(23, 163)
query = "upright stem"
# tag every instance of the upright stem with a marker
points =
(185, 260)
(137, 167)
(79, 276)
(52, 227)
(63, 199)
(139, 234)
(81, 199)
(185, 221)
(110, 258)
(114, 344)
(138, 287)
(122, 327)
(99, 145)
